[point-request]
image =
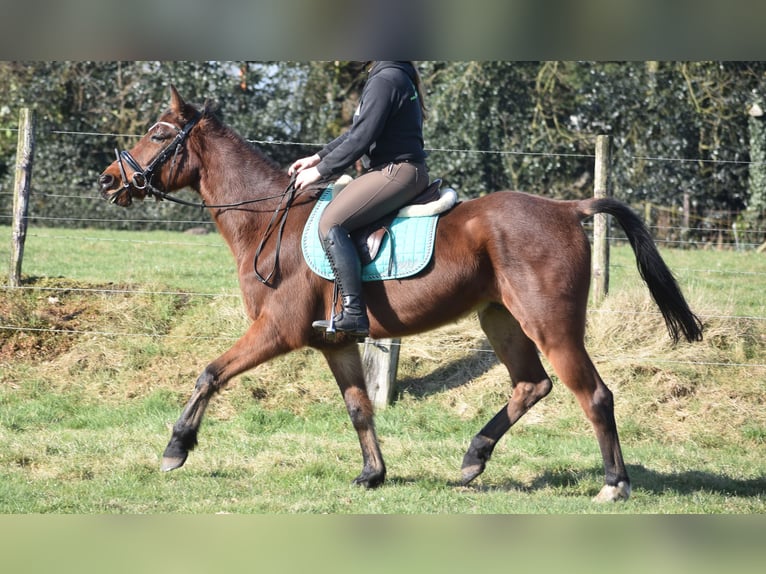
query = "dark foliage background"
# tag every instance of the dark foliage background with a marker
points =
(676, 127)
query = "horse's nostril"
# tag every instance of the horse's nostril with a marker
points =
(105, 180)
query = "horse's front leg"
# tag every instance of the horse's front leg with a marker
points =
(346, 365)
(249, 351)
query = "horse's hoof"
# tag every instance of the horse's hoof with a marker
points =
(172, 463)
(476, 457)
(468, 473)
(613, 493)
(370, 480)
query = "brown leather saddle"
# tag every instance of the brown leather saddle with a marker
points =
(369, 238)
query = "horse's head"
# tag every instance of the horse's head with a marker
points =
(160, 162)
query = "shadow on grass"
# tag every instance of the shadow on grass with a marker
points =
(681, 483)
(691, 481)
(449, 376)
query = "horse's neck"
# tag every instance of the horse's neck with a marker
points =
(235, 172)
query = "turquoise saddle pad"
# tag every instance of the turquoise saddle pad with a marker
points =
(411, 248)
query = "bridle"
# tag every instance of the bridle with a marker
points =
(142, 179)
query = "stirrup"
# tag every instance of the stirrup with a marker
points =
(331, 324)
(329, 329)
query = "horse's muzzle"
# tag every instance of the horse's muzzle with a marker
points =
(112, 191)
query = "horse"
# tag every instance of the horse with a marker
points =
(520, 261)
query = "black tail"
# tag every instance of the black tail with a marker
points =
(660, 280)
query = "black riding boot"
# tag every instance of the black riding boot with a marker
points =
(344, 261)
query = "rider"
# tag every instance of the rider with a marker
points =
(387, 134)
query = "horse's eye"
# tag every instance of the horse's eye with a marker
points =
(159, 137)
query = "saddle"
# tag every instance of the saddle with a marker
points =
(369, 239)
(397, 246)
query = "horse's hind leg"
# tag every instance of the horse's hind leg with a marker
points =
(346, 365)
(528, 377)
(575, 369)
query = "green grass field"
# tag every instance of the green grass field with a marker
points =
(102, 346)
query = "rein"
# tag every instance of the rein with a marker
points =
(289, 194)
(142, 179)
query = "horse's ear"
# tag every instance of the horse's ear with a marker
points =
(176, 101)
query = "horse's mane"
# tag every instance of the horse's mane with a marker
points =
(212, 110)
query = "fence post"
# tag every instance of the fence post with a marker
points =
(380, 360)
(23, 175)
(685, 226)
(601, 222)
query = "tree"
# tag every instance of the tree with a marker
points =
(476, 121)
(677, 127)
(86, 110)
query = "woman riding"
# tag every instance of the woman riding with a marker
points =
(387, 135)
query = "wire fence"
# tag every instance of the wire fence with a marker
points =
(671, 227)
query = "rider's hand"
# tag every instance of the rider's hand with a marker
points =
(303, 163)
(306, 177)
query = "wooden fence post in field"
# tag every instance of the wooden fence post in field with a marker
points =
(24, 157)
(380, 361)
(601, 188)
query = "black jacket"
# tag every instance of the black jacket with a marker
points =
(387, 125)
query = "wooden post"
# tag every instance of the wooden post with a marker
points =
(380, 360)
(648, 213)
(686, 218)
(24, 158)
(601, 188)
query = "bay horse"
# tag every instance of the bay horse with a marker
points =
(520, 261)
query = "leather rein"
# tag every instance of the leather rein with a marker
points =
(142, 179)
